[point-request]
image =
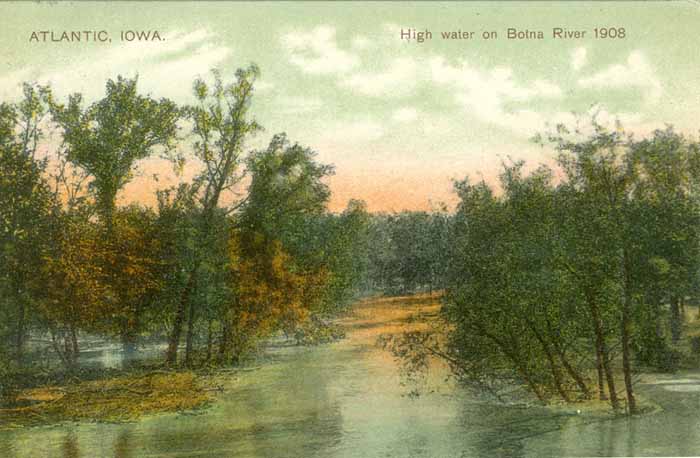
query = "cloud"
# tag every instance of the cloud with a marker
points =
(164, 67)
(399, 78)
(317, 51)
(298, 104)
(485, 93)
(405, 114)
(636, 72)
(578, 58)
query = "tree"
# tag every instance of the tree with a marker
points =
(642, 194)
(26, 210)
(282, 270)
(75, 286)
(108, 137)
(668, 169)
(220, 127)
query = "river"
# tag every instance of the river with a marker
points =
(346, 399)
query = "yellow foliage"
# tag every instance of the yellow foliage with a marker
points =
(118, 399)
(272, 293)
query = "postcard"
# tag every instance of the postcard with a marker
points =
(349, 229)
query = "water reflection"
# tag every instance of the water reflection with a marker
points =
(69, 447)
(122, 445)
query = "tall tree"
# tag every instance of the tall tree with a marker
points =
(106, 139)
(27, 208)
(221, 128)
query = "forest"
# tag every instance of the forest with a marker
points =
(564, 282)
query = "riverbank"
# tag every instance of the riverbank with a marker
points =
(127, 395)
(123, 398)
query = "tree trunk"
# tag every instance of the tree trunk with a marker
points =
(19, 342)
(626, 312)
(74, 341)
(682, 304)
(174, 340)
(556, 374)
(128, 346)
(209, 339)
(626, 365)
(573, 373)
(129, 337)
(602, 350)
(601, 380)
(524, 373)
(675, 319)
(554, 369)
(614, 401)
(190, 335)
(509, 349)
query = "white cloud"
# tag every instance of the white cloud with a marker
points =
(397, 79)
(405, 114)
(578, 58)
(485, 93)
(164, 67)
(298, 104)
(317, 51)
(635, 72)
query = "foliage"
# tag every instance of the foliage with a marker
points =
(548, 283)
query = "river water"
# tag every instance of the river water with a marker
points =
(346, 399)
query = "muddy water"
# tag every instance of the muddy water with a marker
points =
(346, 400)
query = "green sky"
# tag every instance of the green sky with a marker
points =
(398, 119)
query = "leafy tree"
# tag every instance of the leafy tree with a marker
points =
(108, 137)
(26, 210)
(221, 128)
(279, 264)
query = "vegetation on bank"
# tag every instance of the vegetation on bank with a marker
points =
(122, 398)
(570, 287)
(214, 268)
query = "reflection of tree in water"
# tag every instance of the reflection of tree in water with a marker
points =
(284, 410)
(123, 446)
(504, 430)
(69, 447)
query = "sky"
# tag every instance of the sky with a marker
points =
(399, 119)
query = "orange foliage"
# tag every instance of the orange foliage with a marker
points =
(271, 293)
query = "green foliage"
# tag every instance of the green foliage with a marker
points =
(228, 275)
(26, 210)
(220, 129)
(550, 282)
(109, 136)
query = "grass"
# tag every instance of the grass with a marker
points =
(124, 398)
